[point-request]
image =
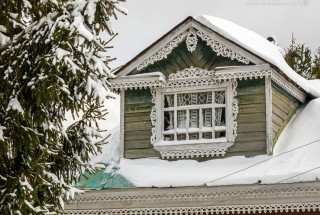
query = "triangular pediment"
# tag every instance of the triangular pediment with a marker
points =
(181, 58)
(189, 44)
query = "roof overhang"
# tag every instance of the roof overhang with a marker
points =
(151, 54)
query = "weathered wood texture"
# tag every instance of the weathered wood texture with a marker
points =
(137, 124)
(283, 108)
(251, 120)
(251, 139)
(180, 58)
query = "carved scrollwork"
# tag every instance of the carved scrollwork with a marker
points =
(289, 87)
(196, 77)
(290, 207)
(220, 49)
(191, 38)
(192, 153)
(192, 41)
(163, 52)
(192, 72)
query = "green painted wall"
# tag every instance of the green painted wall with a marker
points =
(283, 108)
(251, 138)
(137, 124)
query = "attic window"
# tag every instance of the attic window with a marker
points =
(194, 116)
(194, 121)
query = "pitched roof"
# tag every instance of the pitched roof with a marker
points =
(246, 39)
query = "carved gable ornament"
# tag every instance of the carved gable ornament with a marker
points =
(191, 39)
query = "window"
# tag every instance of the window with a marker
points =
(196, 116)
(194, 121)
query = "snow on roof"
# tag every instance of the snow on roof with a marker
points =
(301, 130)
(257, 45)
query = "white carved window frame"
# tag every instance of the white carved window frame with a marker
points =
(195, 148)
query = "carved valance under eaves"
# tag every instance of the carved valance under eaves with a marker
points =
(191, 39)
(193, 77)
(252, 199)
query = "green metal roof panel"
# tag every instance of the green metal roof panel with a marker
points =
(103, 180)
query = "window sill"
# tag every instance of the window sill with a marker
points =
(189, 149)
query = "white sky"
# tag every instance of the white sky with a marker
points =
(148, 20)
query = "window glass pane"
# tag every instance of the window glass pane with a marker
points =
(194, 118)
(219, 97)
(182, 119)
(219, 134)
(205, 98)
(168, 120)
(207, 117)
(184, 99)
(220, 116)
(181, 136)
(168, 101)
(194, 136)
(207, 135)
(194, 98)
(169, 137)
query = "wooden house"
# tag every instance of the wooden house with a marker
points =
(208, 89)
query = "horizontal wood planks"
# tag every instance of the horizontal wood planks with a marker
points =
(137, 124)
(251, 119)
(282, 104)
(251, 138)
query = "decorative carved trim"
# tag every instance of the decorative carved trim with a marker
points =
(212, 150)
(201, 195)
(223, 76)
(192, 72)
(291, 207)
(220, 49)
(137, 85)
(197, 77)
(287, 86)
(235, 110)
(194, 76)
(191, 42)
(164, 52)
(153, 116)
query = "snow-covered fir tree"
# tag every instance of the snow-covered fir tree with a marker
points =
(52, 61)
(299, 57)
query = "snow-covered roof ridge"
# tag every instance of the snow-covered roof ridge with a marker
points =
(258, 45)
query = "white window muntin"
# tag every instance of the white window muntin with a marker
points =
(175, 131)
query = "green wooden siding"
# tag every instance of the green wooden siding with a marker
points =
(180, 58)
(137, 124)
(251, 131)
(251, 139)
(283, 108)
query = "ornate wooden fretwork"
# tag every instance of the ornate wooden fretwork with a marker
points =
(191, 41)
(195, 77)
(203, 77)
(287, 86)
(230, 209)
(227, 200)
